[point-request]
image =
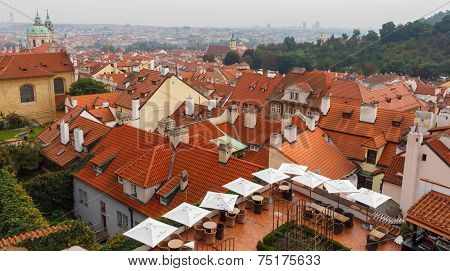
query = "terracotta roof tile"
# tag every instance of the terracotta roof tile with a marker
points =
(394, 171)
(432, 212)
(14, 240)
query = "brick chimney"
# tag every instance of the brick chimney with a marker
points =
(368, 113)
(79, 139)
(224, 153)
(250, 117)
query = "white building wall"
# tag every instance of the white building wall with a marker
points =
(392, 190)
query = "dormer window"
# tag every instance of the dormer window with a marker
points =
(119, 179)
(98, 169)
(371, 157)
(347, 113)
(397, 121)
(164, 201)
(294, 96)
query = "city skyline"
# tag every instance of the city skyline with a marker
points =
(373, 15)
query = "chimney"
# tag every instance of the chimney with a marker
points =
(135, 108)
(445, 140)
(184, 180)
(165, 125)
(271, 74)
(286, 120)
(17, 48)
(311, 122)
(290, 133)
(368, 113)
(178, 135)
(250, 117)
(164, 70)
(276, 140)
(325, 105)
(105, 104)
(79, 139)
(212, 104)
(74, 102)
(64, 131)
(224, 153)
(189, 106)
(233, 113)
(410, 184)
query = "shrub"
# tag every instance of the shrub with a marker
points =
(24, 156)
(52, 192)
(120, 243)
(77, 234)
(13, 121)
(17, 211)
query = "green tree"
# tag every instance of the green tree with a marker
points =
(52, 193)
(249, 52)
(5, 160)
(86, 86)
(290, 43)
(231, 58)
(208, 58)
(386, 30)
(444, 25)
(120, 243)
(17, 211)
(371, 36)
(25, 155)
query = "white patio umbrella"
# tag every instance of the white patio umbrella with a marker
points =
(370, 199)
(243, 187)
(292, 169)
(150, 232)
(219, 201)
(270, 176)
(323, 178)
(339, 186)
(186, 214)
(309, 180)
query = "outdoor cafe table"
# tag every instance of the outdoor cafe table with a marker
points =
(258, 198)
(337, 216)
(175, 244)
(377, 234)
(235, 211)
(209, 225)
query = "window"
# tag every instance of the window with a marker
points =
(83, 197)
(424, 157)
(102, 207)
(134, 190)
(276, 108)
(364, 181)
(371, 157)
(122, 220)
(59, 85)
(26, 93)
(291, 110)
(294, 96)
(34, 43)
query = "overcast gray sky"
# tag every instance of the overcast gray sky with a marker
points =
(340, 13)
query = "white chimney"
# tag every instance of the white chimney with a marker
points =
(135, 103)
(178, 135)
(276, 140)
(189, 106)
(368, 113)
(212, 104)
(286, 120)
(311, 122)
(165, 125)
(325, 105)
(290, 133)
(224, 153)
(250, 117)
(152, 65)
(260, 71)
(164, 70)
(271, 74)
(64, 131)
(184, 180)
(74, 102)
(233, 113)
(79, 139)
(17, 49)
(105, 104)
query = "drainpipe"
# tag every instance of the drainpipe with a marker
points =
(131, 217)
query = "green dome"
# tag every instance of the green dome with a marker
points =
(38, 29)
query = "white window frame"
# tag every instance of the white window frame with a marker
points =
(134, 190)
(83, 197)
(275, 108)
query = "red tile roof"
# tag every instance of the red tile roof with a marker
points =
(34, 65)
(432, 212)
(438, 147)
(312, 149)
(14, 240)
(103, 114)
(52, 132)
(395, 170)
(375, 142)
(91, 101)
(205, 129)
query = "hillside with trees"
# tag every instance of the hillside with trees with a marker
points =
(418, 48)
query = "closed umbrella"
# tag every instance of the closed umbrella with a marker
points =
(370, 199)
(150, 232)
(292, 169)
(309, 180)
(219, 201)
(339, 186)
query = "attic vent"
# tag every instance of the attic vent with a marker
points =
(141, 78)
(397, 121)
(23, 69)
(154, 82)
(347, 113)
(43, 64)
(388, 99)
(399, 96)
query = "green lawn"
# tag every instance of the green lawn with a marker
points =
(9, 134)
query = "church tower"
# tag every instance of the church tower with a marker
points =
(39, 33)
(233, 45)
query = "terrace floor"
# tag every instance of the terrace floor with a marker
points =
(247, 235)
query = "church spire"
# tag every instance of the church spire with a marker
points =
(48, 23)
(37, 19)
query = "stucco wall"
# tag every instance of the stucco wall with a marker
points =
(392, 191)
